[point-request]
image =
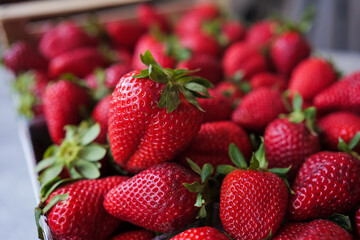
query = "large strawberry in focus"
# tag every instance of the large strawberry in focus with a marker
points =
(142, 132)
(204, 233)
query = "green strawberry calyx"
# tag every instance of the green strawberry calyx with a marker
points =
(77, 154)
(349, 147)
(177, 81)
(343, 221)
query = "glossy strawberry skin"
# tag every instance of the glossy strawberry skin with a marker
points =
(258, 108)
(140, 133)
(310, 77)
(201, 43)
(134, 235)
(269, 80)
(203, 233)
(80, 62)
(21, 56)
(327, 183)
(315, 230)
(339, 124)
(211, 144)
(64, 37)
(287, 50)
(124, 33)
(252, 204)
(260, 34)
(242, 57)
(217, 108)
(342, 95)
(100, 115)
(289, 144)
(155, 199)
(82, 215)
(149, 17)
(62, 102)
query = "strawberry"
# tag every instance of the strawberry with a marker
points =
(201, 43)
(134, 235)
(310, 77)
(155, 199)
(63, 102)
(80, 62)
(342, 95)
(123, 55)
(314, 230)
(270, 80)
(21, 56)
(124, 33)
(253, 201)
(204, 233)
(344, 125)
(142, 132)
(233, 31)
(258, 108)
(217, 108)
(260, 34)
(244, 60)
(327, 183)
(80, 213)
(209, 66)
(212, 143)
(287, 50)
(206, 10)
(100, 115)
(157, 48)
(149, 17)
(64, 37)
(231, 91)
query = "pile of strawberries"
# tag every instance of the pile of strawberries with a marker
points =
(216, 130)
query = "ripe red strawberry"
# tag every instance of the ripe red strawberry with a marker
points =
(203, 233)
(230, 90)
(21, 56)
(327, 183)
(155, 199)
(100, 115)
(80, 62)
(268, 80)
(287, 50)
(64, 37)
(233, 31)
(63, 101)
(134, 235)
(241, 58)
(142, 132)
(217, 108)
(315, 230)
(149, 17)
(201, 43)
(123, 55)
(260, 34)
(337, 125)
(258, 108)
(82, 215)
(124, 33)
(209, 66)
(212, 143)
(157, 49)
(342, 95)
(206, 10)
(310, 77)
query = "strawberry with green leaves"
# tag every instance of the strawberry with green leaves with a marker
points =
(204, 233)
(154, 114)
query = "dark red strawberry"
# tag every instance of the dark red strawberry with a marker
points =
(155, 199)
(149, 17)
(100, 115)
(217, 108)
(310, 77)
(314, 230)
(203, 233)
(344, 125)
(209, 66)
(243, 60)
(342, 95)
(211, 145)
(233, 31)
(80, 62)
(21, 56)
(201, 43)
(231, 91)
(260, 34)
(134, 235)
(327, 183)
(258, 108)
(81, 214)
(64, 37)
(287, 50)
(142, 132)
(63, 103)
(270, 80)
(124, 33)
